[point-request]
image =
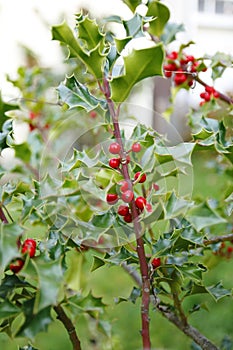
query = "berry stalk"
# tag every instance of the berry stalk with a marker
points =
(145, 332)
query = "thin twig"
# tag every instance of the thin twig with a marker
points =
(61, 316)
(218, 239)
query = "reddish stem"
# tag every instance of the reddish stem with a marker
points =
(3, 216)
(145, 333)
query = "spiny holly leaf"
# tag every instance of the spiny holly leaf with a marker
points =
(8, 247)
(161, 15)
(7, 310)
(9, 283)
(76, 95)
(50, 279)
(175, 206)
(134, 26)
(217, 291)
(132, 4)
(94, 60)
(138, 65)
(202, 215)
(170, 31)
(97, 262)
(34, 322)
(6, 134)
(88, 32)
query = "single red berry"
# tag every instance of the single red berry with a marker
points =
(93, 114)
(205, 95)
(190, 58)
(173, 55)
(216, 94)
(114, 148)
(136, 147)
(112, 198)
(156, 187)
(127, 196)
(128, 218)
(124, 185)
(209, 89)
(17, 265)
(114, 163)
(149, 207)
(123, 210)
(180, 78)
(170, 67)
(140, 202)
(167, 74)
(230, 249)
(156, 262)
(141, 176)
(29, 246)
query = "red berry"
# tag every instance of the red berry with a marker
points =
(114, 148)
(112, 198)
(209, 89)
(170, 67)
(140, 202)
(205, 95)
(29, 246)
(123, 210)
(128, 218)
(190, 58)
(216, 94)
(230, 250)
(149, 207)
(180, 78)
(168, 74)
(127, 196)
(33, 115)
(173, 55)
(124, 185)
(156, 187)
(17, 265)
(114, 162)
(156, 262)
(141, 176)
(93, 114)
(136, 147)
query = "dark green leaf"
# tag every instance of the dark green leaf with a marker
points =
(97, 262)
(7, 310)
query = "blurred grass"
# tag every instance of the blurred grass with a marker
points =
(215, 320)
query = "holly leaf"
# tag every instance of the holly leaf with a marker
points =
(6, 134)
(8, 247)
(161, 15)
(202, 215)
(132, 4)
(94, 59)
(217, 291)
(7, 310)
(34, 322)
(138, 65)
(76, 95)
(4, 108)
(50, 276)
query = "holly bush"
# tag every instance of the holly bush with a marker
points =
(91, 187)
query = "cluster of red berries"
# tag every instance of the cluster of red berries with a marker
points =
(208, 94)
(126, 187)
(182, 66)
(28, 247)
(225, 250)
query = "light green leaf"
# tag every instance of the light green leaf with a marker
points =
(161, 14)
(217, 291)
(50, 280)
(132, 4)
(202, 215)
(139, 64)
(8, 245)
(23, 152)
(97, 262)
(93, 60)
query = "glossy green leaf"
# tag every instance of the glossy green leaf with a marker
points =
(50, 276)
(97, 262)
(138, 65)
(7, 310)
(76, 95)
(217, 291)
(8, 247)
(34, 322)
(175, 206)
(161, 15)
(88, 32)
(94, 60)
(9, 283)
(202, 215)
(132, 4)
(133, 26)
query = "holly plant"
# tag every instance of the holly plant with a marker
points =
(91, 187)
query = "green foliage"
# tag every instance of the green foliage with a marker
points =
(57, 189)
